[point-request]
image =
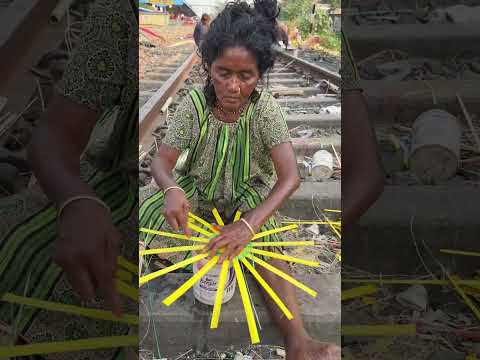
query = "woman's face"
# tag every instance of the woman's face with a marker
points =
(234, 76)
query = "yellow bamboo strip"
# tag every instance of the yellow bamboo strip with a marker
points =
(70, 309)
(126, 290)
(332, 227)
(358, 292)
(203, 222)
(458, 252)
(285, 257)
(332, 210)
(268, 289)
(217, 216)
(283, 275)
(237, 217)
(471, 291)
(181, 264)
(200, 230)
(283, 243)
(219, 296)
(68, 346)
(169, 300)
(275, 231)
(127, 265)
(172, 249)
(465, 298)
(379, 330)
(247, 305)
(174, 236)
(124, 275)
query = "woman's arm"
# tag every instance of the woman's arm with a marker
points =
(87, 254)
(87, 243)
(176, 206)
(56, 146)
(362, 175)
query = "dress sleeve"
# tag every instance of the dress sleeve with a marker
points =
(96, 71)
(348, 72)
(272, 123)
(180, 126)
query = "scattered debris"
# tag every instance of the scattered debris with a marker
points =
(414, 297)
(252, 352)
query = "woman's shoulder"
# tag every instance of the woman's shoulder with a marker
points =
(266, 104)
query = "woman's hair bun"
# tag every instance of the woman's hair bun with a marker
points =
(267, 8)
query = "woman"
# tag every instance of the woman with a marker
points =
(96, 103)
(238, 155)
(362, 181)
(201, 29)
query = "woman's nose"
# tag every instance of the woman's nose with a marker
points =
(233, 85)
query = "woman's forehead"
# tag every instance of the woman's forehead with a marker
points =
(236, 58)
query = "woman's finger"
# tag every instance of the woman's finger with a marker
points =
(225, 255)
(221, 243)
(172, 221)
(237, 251)
(79, 278)
(182, 220)
(213, 242)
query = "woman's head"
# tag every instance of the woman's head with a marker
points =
(237, 51)
(205, 19)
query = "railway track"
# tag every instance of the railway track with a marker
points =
(308, 94)
(426, 78)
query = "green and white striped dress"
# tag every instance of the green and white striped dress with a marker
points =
(226, 165)
(102, 74)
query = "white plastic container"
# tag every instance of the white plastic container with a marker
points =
(435, 151)
(322, 165)
(205, 290)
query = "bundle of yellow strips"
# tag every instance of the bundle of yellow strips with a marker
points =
(124, 275)
(209, 231)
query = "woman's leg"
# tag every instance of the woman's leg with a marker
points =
(299, 345)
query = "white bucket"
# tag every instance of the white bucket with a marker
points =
(435, 151)
(205, 290)
(322, 165)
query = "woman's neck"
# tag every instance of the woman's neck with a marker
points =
(228, 116)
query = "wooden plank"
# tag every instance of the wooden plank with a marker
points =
(308, 147)
(321, 100)
(318, 121)
(433, 40)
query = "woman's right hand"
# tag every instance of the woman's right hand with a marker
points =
(87, 248)
(176, 209)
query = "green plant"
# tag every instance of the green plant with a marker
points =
(298, 13)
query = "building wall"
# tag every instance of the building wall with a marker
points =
(153, 19)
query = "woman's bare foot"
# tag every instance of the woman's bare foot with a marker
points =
(305, 348)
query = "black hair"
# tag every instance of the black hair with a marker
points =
(205, 16)
(239, 24)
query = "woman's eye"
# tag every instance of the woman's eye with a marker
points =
(245, 77)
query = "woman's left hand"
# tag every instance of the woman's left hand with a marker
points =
(233, 238)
